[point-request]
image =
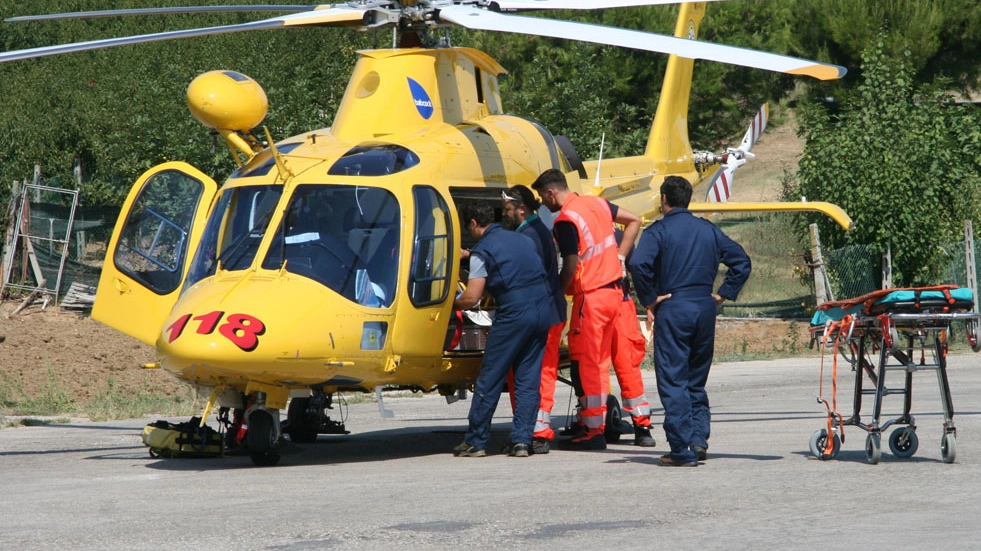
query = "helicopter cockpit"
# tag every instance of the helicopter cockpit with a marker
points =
(345, 237)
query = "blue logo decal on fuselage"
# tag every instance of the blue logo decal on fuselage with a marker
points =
(419, 96)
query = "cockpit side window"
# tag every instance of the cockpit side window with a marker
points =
(432, 248)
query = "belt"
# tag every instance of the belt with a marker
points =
(613, 285)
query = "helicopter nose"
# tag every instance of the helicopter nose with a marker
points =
(275, 328)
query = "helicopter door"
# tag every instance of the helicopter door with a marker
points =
(148, 256)
(420, 330)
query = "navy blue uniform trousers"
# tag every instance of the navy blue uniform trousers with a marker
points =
(517, 339)
(684, 344)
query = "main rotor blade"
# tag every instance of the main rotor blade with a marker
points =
(330, 16)
(156, 11)
(480, 19)
(528, 5)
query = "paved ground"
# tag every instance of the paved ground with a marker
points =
(393, 483)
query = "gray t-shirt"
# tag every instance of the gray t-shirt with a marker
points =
(477, 266)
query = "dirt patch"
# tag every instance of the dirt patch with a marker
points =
(60, 351)
(746, 339)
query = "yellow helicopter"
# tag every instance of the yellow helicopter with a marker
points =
(329, 261)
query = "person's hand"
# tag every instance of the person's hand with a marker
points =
(718, 299)
(623, 266)
(650, 311)
(464, 254)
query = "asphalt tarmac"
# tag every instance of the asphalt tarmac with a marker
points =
(393, 483)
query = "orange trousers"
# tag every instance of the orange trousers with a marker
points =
(591, 332)
(550, 373)
(628, 350)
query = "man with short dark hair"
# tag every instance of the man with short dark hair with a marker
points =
(674, 268)
(505, 265)
(592, 270)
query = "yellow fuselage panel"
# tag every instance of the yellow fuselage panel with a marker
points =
(394, 90)
(300, 334)
(499, 150)
(219, 322)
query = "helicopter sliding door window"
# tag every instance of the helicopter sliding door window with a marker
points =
(152, 246)
(432, 248)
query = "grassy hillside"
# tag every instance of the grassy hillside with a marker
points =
(768, 238)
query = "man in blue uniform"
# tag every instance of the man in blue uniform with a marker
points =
(674, 267)
(520, 214)
(506, 265)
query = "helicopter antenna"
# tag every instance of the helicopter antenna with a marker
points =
(599, 162)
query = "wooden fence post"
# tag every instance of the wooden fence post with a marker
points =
(822, 288)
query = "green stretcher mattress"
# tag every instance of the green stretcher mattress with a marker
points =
(940, 299)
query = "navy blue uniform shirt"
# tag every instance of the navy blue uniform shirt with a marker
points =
(681, 254)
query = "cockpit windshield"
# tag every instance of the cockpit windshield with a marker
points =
(234, 230)
(343, 236)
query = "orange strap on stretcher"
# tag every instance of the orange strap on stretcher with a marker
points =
(836, 327)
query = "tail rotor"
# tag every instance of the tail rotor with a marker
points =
(733, 158)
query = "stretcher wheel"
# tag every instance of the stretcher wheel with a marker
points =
(818, 442)
(972, 335)
(903, 442)
(948, 447)
(614, 417)
(873, 448)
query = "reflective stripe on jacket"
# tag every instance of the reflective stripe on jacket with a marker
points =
(599, 264)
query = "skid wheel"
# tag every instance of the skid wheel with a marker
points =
(873, 448)
(260, 439)
(819, 440)
(903, 442)
(948, 447)
(614, 416)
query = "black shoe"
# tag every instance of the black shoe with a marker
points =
(701, 452)
(540, 446)
(584, 443)
(466, 450)
(643, 438)
(673, 461)
(516, 450)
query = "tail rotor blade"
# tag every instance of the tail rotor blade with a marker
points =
(721, 188)
(756, 128)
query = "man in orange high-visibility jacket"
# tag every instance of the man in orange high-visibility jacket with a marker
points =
(592, 269)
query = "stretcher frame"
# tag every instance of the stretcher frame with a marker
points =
(878, 339)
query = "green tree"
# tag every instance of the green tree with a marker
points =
(937, 37)
(122, 110)
(901, 159)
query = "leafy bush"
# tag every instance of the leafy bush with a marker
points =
(901, 159)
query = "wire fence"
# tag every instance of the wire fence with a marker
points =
(857, 269)
(851, 271)
(51, 244)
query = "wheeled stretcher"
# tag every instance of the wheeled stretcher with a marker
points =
(882, 335)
